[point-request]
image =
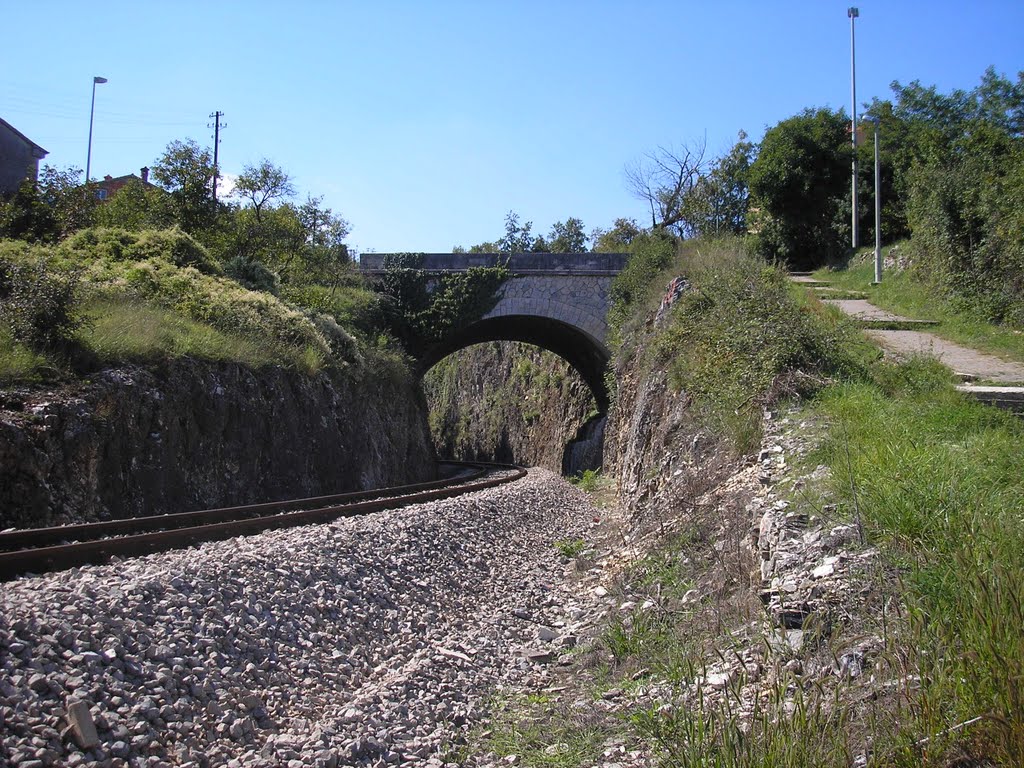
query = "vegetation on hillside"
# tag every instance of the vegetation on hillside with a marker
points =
(112, 294)
(931, 478)
(164, 269)
(736, 335)
(952, 182)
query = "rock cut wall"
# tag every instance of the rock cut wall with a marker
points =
(190, 435)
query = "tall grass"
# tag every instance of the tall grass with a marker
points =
(133, 331)
(18, 363)
(939, 481)
(786, 727)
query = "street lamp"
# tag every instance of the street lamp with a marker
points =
(92, 110)
(853, 13)
(878, 204)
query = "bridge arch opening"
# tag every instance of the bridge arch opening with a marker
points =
(579, 349)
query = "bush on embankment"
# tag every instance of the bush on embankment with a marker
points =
(737, 335)
(153, 294)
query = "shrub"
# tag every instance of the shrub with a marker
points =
(251, 274)
(39, 306)
(650, 254)
(120, 245)
(737, 337)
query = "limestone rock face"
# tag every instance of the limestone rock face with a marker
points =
(508, 402)
(658, 453)
(190, 434)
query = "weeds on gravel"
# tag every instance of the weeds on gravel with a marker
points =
(663, 570)
(589, 480)
(570, 548)
(787, 726)
(543, 733)
(643, 636)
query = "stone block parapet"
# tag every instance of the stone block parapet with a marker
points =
(518, 263)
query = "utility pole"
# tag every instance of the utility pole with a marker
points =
(853, 13)
(217, 125)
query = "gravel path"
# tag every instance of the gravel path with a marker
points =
(371, 641)
(861, 309)
(965, 362)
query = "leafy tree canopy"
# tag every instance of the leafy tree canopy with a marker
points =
(799, 181)
(618, 238)
(185, 171)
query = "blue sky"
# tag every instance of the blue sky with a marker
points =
(423, 123)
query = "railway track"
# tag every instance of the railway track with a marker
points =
(38, 550)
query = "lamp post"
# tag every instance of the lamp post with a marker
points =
(853, 13)
(92, 110)
(878, 204)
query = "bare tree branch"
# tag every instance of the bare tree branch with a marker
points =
(662, 178)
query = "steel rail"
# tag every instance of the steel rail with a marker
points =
(220, 525)
(26, 538)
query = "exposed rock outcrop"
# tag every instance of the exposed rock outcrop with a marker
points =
(660, 456)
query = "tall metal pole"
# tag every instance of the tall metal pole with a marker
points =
(878, 208)
(92, 110)
(853, 13)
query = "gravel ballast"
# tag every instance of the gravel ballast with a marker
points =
(369, 641)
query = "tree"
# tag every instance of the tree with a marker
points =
(24, 215)
(616, 239)
(567, 237)
(262, 184)
(325, 253)
(55, 206)
(799, 180)
(137, 206)
(717, 203)
(663, 178)
(924, 128)
(517, 238)
(274, 238)
(72, 202)
(486, 247)
(185, 171)
(960, 169)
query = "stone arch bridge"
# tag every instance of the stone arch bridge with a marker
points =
(557, 301)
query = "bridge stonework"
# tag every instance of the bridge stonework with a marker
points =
(578, 300)
(557, 301)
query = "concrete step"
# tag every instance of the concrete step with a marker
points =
(805, 279)
(1007, 398)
